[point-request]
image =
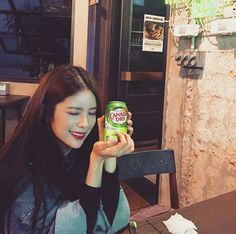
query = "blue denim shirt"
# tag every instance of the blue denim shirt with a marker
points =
(62, 217)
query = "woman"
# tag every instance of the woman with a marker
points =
(56, 174)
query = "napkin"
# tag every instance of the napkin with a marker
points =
(177, 224)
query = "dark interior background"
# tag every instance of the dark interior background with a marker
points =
(34, 37)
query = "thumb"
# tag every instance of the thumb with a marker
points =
(106, 144)
(101, 127)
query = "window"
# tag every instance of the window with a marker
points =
(35, 36)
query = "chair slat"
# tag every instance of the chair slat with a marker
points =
(154, 162)
(146, 163)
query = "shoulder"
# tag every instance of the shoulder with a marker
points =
(24, 189)
(24, 201)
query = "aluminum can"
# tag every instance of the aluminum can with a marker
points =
(116, 115)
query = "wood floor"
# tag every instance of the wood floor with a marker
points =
(140, 193)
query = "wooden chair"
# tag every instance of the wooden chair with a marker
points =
(144, 163)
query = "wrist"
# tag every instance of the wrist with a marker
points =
(96, 159)
(94, 175)
(110, 165)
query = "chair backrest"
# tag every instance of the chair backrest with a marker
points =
(153, 162)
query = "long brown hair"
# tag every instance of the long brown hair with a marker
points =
(33, 141)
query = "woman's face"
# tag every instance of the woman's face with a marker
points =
(74, 118)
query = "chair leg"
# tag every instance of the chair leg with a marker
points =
(174, 198)
(3, 126)
(157, 187)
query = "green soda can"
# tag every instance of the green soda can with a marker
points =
(116, 115)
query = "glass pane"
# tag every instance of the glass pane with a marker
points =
(139, 59)
(34, 37)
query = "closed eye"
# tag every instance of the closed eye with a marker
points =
(77, 113)
(73, 113)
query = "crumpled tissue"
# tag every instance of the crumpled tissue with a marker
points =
(177, 224)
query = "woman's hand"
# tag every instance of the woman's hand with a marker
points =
(104, 155)
(113, 149)
(112, 153)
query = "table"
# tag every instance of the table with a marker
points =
(10, 101)
(213, 216)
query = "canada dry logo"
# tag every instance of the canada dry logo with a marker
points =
(118, 116)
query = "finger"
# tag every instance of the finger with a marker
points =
(130, 131)
(101, 145)
(129, 122)
(129, 127)
(126, 145)
(121, 137)
(129, 115)
(100, 122)
(113, 151)
(130, 142)
(101, 119)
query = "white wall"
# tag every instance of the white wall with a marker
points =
(79, 32)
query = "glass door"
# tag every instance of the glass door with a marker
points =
(142, 39)
(142, 67)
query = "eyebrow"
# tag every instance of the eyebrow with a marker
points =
(79, 108)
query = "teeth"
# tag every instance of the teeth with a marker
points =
(78, 134)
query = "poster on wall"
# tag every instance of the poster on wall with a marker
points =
(153, 33)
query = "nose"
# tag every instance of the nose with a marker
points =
(83, 121)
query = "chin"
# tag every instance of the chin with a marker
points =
(74, 143)
(77, 145)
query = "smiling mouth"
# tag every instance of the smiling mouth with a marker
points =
(78, 135)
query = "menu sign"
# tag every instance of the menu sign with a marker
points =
(153, 33)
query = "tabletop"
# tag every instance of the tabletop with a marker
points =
(213, 216)
(7, 100)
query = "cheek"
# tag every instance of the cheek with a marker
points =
(59, 125)
(92, 121)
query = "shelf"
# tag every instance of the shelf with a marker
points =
(34, 13)
(152, 95)
(140, 76)
(133, 45)
(137, 32)
(146, 113)
(34, 34)
(37, 54)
